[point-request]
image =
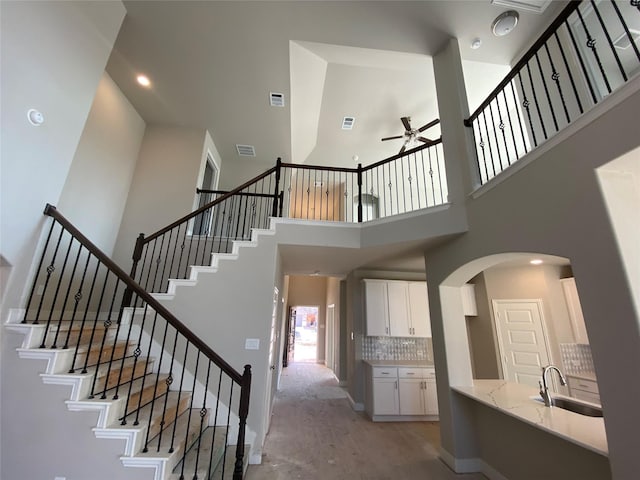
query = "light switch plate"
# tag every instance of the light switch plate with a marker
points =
(252, 344)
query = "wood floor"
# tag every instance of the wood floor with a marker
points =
(315, 434)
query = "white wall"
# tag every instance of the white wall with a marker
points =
(53, 56)
(163, 188)
(103, 166)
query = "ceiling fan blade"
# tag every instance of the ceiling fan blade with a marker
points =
(424, 139)
(406, 122)
(429, 125)
(404, 147)
(392, 138)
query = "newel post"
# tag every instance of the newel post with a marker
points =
(243, 412)
(137, 255)
(359, 193)
(274, 210)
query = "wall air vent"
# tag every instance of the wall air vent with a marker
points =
(347, 123)
(246, 150)
(276, 99)
(622, 42)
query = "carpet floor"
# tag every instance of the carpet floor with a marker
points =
(315, 434)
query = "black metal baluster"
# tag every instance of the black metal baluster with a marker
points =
(401, 184)
(555, 76)
(626, 27)
(480, 144)
(608, 37)
(158, 262)
(175, 424)
(215, 426)
(591, 43)
(104, 335)
(50, 269)
(513, 135)
(151, 260)
(175, 248)
(585, 73)
(546, 91)
(183, 246)
(501, 126)
(415, 165)
(439, 176)
(535, 101)
(136, 354)
(203, 413)
(78, 297)
(107, 324)
(35, 280)
(226, 440)
(144, 375)
(486, 131)
(395, 170)
(433, 187)
(566, 65)
(193, 389)
(526, 104)
(517, 108)
(66, 297)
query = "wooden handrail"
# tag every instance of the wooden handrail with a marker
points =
(400, 155)
(209, 205)
(560, 19)
(51, 211)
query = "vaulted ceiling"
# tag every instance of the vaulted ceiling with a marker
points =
(213, 65)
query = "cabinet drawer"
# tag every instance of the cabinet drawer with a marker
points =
(385, 372)
(584, 385)
(429, 373)
(587, 396)
(410, 372)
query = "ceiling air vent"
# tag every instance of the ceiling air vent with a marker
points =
(276, 99)
(347, 123)
(622, 42)
(246, 150)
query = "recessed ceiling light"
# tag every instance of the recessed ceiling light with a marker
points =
(143, 80)
(504, 23)
(475, 43)
(536, 261)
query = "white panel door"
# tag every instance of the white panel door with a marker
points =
(522, 339)
(419, 309)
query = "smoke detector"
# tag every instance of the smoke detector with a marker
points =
(504, 23)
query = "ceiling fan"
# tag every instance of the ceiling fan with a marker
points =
(412, 134)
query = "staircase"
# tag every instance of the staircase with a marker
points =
(152, 382)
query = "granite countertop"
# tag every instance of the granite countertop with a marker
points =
(399, 363)
(516, 400)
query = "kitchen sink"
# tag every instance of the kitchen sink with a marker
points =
(576, 406)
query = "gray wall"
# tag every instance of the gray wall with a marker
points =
(551, 205)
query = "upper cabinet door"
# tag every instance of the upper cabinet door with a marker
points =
(376, 308)
(419, 309)
(400, 324)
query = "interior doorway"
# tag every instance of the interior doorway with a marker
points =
(303, 333)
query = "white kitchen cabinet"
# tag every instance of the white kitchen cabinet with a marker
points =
(419, 309)
(401, 393)
(396, 308)
(584, 389)
(376, 308)
(575, 309)
(398, 301)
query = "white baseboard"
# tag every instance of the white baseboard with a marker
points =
(358, 407)
(470, 465)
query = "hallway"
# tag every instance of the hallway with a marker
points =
(315, 434)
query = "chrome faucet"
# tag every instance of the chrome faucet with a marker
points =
(544, 389)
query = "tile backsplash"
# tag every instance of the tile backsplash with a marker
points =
(396, 348)
(576, 358)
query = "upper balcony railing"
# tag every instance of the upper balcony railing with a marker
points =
(412, 180)
(589, 50)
